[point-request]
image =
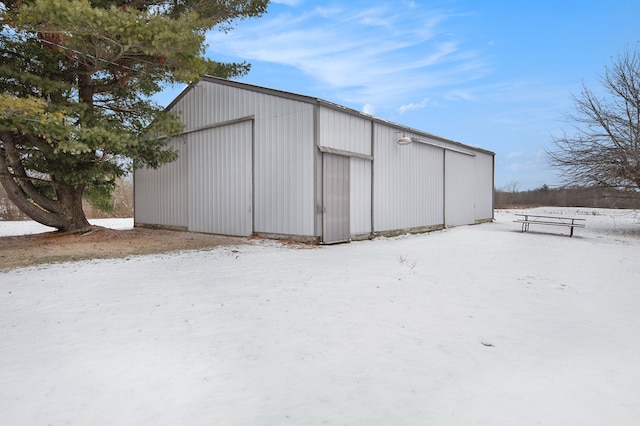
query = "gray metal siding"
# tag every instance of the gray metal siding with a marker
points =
(408, 183)
(161, 194)
(275, 186)
(335, 198)
(344, 131)
(220, 180)
(360, 196)
(483, 187)
(284, 151)
(459, 189)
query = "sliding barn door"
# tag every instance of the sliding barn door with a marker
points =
(335, 196)
(221, 180)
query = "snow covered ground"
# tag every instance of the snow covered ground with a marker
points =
(477, 325)
(26, 227)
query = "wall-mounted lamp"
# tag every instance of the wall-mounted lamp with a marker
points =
(404, 140)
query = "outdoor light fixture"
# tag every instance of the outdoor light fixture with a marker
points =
(404, 140)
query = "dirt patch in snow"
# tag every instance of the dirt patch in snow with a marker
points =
(101, 243)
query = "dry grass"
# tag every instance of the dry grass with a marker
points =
(101, 243)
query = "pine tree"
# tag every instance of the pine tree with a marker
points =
(76, 80)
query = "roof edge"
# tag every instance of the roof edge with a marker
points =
(322, 102)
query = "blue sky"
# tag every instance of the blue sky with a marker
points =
(492, 73)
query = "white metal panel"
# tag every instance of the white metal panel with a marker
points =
(284, 189)
(284, 150)
(335, 198)
(483, 187)
(408, 183)
(408, 180)
(459, 189)
(360, 195)
(220, 180)
(161, 194)
(344, 131)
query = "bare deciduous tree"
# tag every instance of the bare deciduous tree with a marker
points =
(605, 149)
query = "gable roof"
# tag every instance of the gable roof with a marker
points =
(322, 102)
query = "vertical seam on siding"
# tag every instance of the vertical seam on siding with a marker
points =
(444, 188)
(253, 175)
(373, 162)
(318, 176)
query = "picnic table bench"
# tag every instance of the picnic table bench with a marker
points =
(533, 219)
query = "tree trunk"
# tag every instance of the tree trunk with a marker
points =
(71, 217)
(64, 213)
(70, 197)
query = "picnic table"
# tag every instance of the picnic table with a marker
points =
(533, 219)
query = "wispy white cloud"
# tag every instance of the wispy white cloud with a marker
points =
(369, 109)
(384, 56)
(413, 106)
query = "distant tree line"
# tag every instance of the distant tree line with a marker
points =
(594, 197)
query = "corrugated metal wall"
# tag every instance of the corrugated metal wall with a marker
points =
(220, 180)
(403, 188)
(352, 134)
(459, 188)
(344, 131)
(284, 178)
(483, 187)
(283, 151)
(335, 198)
(408, 183)
(360, 179)
(161, 195)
